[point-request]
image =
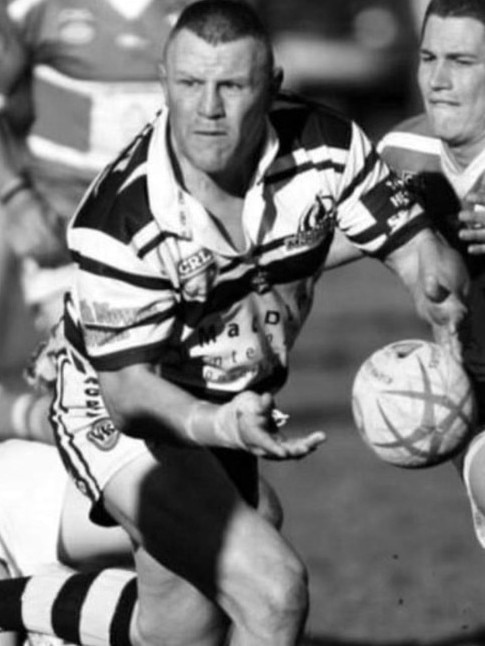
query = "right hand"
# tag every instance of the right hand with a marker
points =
(34, 229)
(249, 419)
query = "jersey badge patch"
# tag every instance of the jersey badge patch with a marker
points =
(104, 435)
(197, 274)
(316, 223)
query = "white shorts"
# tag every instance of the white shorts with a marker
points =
(92, 448)
(475, 445)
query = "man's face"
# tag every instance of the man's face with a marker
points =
(218, 96)
(452, 79)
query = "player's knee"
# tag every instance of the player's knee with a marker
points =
(288, 592)
(278, 599)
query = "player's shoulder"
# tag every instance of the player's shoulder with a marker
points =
(119, 195)
(412, 146)
(300, 122)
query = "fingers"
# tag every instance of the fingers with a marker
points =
(473, 221)
(449, 339)
(293, 448)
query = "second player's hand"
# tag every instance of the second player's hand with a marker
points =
(472, 218)
(440, 292)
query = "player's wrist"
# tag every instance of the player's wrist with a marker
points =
(214, 425)
(13, 188)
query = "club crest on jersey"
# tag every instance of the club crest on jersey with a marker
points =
(316, 223)
(76, 26)
(104, 435)
(197, 274)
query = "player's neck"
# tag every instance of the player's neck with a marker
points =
(463, 154)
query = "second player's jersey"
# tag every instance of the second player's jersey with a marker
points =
(158, 282)
(423, 162)
(94, 76)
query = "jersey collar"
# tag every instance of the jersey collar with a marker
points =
(168, 200)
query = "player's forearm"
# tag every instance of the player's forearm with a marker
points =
(405, 260)
(141, 404)
(436, 277)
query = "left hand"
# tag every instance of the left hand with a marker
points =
(472, 217)
(441, 290)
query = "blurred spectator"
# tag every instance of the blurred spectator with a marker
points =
(355, 54)
(77, 82)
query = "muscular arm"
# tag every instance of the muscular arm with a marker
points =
(437, 279)
(434, 274)
(142, 404)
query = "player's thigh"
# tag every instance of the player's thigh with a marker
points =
(181, 506)
(83, 543)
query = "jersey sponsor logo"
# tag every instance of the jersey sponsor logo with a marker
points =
(399, 194)
(315, 224)
(76, 26)
(104, 435)
(197, 274)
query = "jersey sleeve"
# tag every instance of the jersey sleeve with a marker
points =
(124, 305)
(376, 210)
(126, 310)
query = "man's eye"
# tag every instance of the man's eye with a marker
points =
(233, 86)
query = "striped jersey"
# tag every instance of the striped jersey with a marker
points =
(430, 173)
(158, 282)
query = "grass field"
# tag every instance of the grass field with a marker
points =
(391, 553)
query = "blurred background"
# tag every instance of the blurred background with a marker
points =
(391, 553)
(358, 55)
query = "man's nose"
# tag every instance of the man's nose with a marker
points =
(211, 104)
(440, 75)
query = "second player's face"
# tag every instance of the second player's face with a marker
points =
(217, 97)
(452, 79)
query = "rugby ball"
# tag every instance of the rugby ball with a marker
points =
(413, 404)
